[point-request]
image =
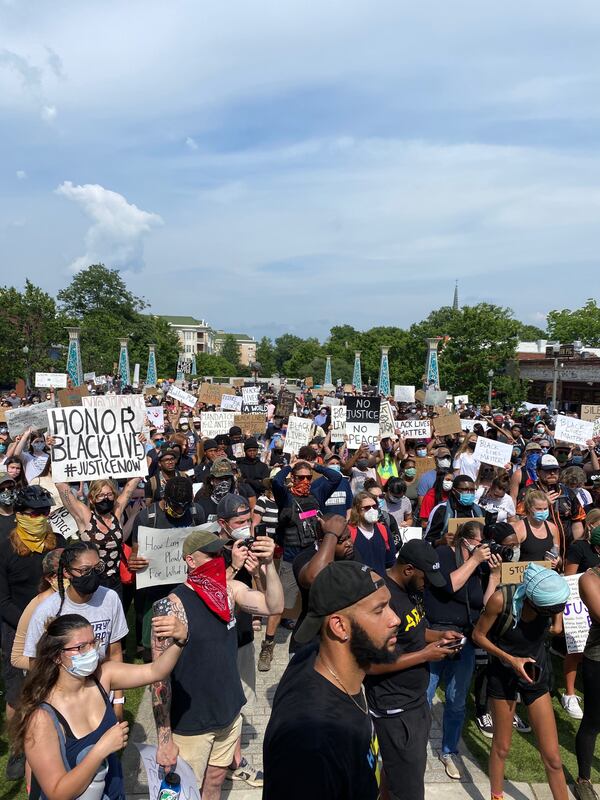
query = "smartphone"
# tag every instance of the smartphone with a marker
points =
(456, 645)
(260, 529)
(161, 608)
(533, 671)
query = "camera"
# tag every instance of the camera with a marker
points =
(249, 542)
(505, 552)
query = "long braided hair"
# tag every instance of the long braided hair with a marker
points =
(71, 553)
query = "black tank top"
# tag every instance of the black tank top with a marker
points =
(526, 640)
(534, 549)
(207, 692)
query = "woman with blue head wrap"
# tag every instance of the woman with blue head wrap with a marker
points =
(513, 629)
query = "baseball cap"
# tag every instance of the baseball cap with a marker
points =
(210, 444)
(423, 556)
(232, 505)
(532, 446)
(202, 539)
(167, 450)
(339, 585)
(5, 478)
(548, 462)
(251, 444)
(221, 468)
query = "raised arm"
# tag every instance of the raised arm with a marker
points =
(125, 496)
(78, 510)
(269, 602)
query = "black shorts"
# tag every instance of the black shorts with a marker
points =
(403, 746)
(505, 684)
(13, 678)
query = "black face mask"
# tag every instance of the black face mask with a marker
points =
(86, 584)
(104, 506)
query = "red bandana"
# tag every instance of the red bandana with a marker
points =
(301, 488)
(210, 584)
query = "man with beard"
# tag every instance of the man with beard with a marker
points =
(397, 692)
(320, 717)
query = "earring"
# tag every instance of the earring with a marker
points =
(345, 638)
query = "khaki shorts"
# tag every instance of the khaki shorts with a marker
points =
(215, 748)
(290, 587)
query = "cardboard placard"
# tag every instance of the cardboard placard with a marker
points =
(216, 423)
(413, 428)
(454, 523)
(348, 388)
(151, 391)
(513, 571)
(576, 618)
(572, 430)
(250, 395)
(338, 423)
(185, 398)
(435, 397)
(89, 376)
(162, 548)
(461, 399)
(3, 414)
(309, 382)
(298, 434)
(331, 401)
(231, 402)
(386, 421)
(424, 465)
(72, 397)
(362, 421)
(469, 424)
(420, 396)
(404, 394)
(35, 416)
(156, 417)
(285, 403)
(488, 451)
(118, 401)
(63, 523)
(590, 412)
(251, 423)
(237, 382)
(211, 393)
(45, 380)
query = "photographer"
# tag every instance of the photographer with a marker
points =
(457, 606)
(513, 629)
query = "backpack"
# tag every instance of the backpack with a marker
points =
(506, 620)
(297, 523)
(152, 516)
(380, 527)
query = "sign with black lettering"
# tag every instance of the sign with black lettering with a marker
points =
(92, 443)
(362, 421)
(285, 403)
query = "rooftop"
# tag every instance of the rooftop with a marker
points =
(182, 320)
(238, 336)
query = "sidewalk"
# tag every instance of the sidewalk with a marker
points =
(438, 786)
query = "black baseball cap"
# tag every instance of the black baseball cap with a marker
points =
(339, 585)
(423, 556)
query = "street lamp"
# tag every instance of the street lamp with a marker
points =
(25, 352)
(556, 351)
(491, 378)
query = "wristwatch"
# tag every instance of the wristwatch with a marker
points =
(181, 644)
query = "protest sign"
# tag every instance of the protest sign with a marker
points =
(254, 424)
(155, 773)
(2, 415)
(216, 423)
(454, 523)
(44, 380)
(162, 548)
(362, 421)
(91, 443)
(231, 402)
(298, 434)
(386, 421)
(211, 393)
(309, 382)
(285, 403)
(424, 464)
(404, 394)
(338, 423)
(156, 417)
(89, 376)
(331, 401)
(461, 399)
(118, 401)
(237, 382)
(434, 397)
(413, 428)
(570, 429)
(590, 412)
(35, 416)
(576, 618)
(250, 395)
(420, 396)
(63, 523)
(185, 398)
(348, 388)
(490, 452)
(512, 571)
(469, 424)
(72, 397)
(99, 380)
(408, 534)
(447, 424)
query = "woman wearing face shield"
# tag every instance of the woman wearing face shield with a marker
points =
(512, 629)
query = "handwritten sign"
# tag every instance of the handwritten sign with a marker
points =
(570, 429)
(338, 423)
(189, 785)
(35, 416)
(386, 421)
(469, 424)
(331, 401)
(89, 376)
(413, 428)
(447, 424)
(404, 394)
(298, 434)
(490, 452)
(91, 443)
(231, 402)
(185, 398)
(461, 399)
(576, 618)
(44, 380)
(424, 464)
(454, 523)
(63, 523)
(590, 412)
(513, 571)
(135, 402)
(434, 397)
(362, 421)
(251, 423)
(408, 534)
(162, 548)
(72, 397)
(285, 403)
(216, 423)
(211, 393)
(308, 382)
(156, 417)
(250, 395)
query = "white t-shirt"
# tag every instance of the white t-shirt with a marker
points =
(103, 611)
(504, 507)
(358, 478)
(467, 464)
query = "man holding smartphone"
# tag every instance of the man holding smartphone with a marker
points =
(397, 692)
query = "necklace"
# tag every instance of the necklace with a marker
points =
(364, 710)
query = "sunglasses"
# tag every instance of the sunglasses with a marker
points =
(371, 505)
(42, 512)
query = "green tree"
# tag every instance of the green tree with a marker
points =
(303, 355)
(582, 324)
(343, 341)
(265, 355)
(99, 289)
(147, 329)
(213, 365)
(284, 349)
(531, 333)
(230, 350)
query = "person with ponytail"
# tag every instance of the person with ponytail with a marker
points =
(100, 522)
(65, 724)
(21, 557)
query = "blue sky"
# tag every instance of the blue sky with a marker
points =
(277, 167)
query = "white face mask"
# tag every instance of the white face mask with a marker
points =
(446, 485)
(443, 463)
(371, 515)
(240, 533)
(516, 553)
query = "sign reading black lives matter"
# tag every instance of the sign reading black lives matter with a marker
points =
(92, 443)
(362, 421)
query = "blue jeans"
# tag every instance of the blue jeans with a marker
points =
(456, 673)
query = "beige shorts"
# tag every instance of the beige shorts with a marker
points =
(290, 587)
(215, 748)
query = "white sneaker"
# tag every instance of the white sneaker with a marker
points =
(449, 760)
(571, 704)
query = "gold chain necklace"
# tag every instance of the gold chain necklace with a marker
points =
(364, 710)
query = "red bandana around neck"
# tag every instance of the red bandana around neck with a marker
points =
(301, 488)
(209, 581)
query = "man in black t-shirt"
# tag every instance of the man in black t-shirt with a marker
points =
(397, 692)
(320, 717)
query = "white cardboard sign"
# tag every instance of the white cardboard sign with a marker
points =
(570, 429)
(185, 398)
(35, 416)
(469, 424)
(297, 435)
(156, 417)
(162, 548)
(43, 380)
(216, 423)
(489, 451)
(338, 423)
(135, 402)
(386, 421)
(404, 394)
(63, 523)
(413, 428)
(231, 402)
(576, 618)
(250, 395)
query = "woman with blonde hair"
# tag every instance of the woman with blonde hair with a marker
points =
(537, 537)
(465, 462)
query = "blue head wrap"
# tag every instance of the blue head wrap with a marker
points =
(542, 586)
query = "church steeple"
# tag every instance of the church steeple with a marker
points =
(455, 301)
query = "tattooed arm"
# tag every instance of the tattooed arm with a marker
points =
(167, 751)
(78, 510)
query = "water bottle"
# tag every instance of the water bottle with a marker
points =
(170, 787)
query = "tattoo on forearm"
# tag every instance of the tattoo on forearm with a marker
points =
(161, 704)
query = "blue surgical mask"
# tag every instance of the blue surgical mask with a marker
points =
(381, 502)
(466, 498)
(335, 467)
(577, 460)
(541, 516)
(2, 448)
(38, 446)
(84, 664)
(421, 452)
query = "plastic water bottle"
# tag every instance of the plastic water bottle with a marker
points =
(170, 787)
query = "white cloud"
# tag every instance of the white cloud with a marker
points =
(118, 227)
(191, 143)
(21, 174)
(48, 113)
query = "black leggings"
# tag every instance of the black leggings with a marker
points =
(585, 741)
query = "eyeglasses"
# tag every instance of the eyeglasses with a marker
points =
(105, 497)
(302, 477)
(42, 512)
(83, 647)
(84, 571)
(371, 505)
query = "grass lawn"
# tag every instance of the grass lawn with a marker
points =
(524, 762)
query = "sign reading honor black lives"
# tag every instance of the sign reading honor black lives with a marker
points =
(362, 421)
(91, 443)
